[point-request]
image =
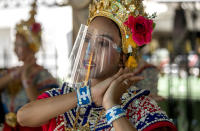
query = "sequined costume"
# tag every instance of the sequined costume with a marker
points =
(142, 111)
(150, 73)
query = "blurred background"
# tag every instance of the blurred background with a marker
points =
(175, 47)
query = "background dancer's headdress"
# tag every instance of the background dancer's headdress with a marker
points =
(31, 29)
(134, 23)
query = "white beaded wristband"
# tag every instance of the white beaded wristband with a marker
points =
(114, 113)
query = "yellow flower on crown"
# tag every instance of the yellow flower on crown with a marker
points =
(31, 29)
(134, 24)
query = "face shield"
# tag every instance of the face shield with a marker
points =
(93, 55)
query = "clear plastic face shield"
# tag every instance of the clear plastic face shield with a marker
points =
(93, 55)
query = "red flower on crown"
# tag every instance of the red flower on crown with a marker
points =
(141, 29)
(36, 27)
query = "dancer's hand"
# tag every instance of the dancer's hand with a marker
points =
(119, 86)
(99, 89)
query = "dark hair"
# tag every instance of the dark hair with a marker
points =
(118, 29)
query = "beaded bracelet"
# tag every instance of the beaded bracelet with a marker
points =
(84, 96)
(114, 113)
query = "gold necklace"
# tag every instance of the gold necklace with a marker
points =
(86, 127)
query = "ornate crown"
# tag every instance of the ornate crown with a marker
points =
(30, 29)
(134, 24)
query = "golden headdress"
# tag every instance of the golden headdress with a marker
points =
(135, 25)
(31, 29)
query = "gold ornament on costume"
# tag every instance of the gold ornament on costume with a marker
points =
(86, 127)
(119, 11)
(31, 30)
(11, 119)
(131, 63)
